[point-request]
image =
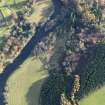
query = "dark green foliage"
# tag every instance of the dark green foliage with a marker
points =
(93, 73)
(52, 89)
(21, 27)
(73, 18)
(97, 12)
(2, 42)
(69, 85)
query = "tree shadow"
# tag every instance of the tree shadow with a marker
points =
(33, 94)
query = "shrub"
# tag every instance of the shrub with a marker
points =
(52, 89)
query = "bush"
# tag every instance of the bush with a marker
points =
(97, 12)
(52, 90)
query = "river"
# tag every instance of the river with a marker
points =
(39, 34)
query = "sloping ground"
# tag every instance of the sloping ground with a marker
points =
(24, 84)
(96, 98)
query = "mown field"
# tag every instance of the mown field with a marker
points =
(16, 1)
(10, 2)
(4, 31)
(25, 83)
(95, 98)
(14, 6)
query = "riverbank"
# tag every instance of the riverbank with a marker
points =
(23, 41)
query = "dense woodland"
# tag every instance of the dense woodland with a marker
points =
(93, 72)
(82, 59)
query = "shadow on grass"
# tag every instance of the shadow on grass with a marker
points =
(34, 93)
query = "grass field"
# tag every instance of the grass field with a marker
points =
(10, 2)
(5, 11)
(24, 84)
(16, 1)
(4, 31)
(96, 98)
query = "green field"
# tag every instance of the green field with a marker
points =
(96, 98)
(5, 11)
(24, 84)
(10, 2)
(16, 1)
(4, 31)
